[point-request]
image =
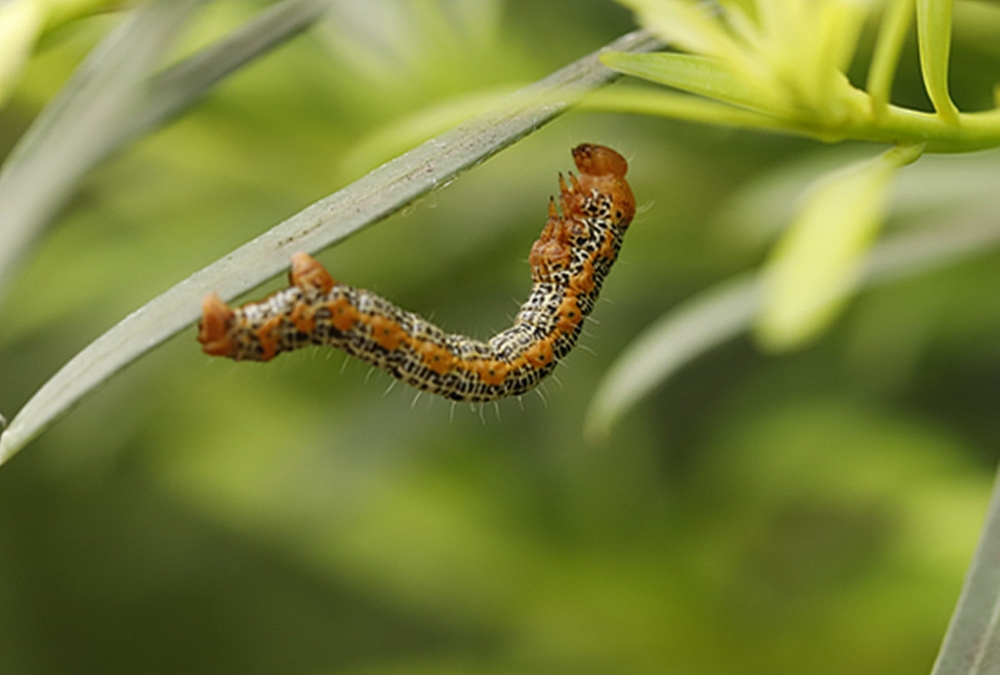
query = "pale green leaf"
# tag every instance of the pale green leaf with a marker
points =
(832, 50)
(110, 101)
(815, 265)
(972, 643)
(896, 19)
(934, 39)
(705, 76)
(60, 12)
(685, 25)
(20, 25)
(80, 125)
(647, 101)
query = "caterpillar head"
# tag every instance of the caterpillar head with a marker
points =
(603, 169)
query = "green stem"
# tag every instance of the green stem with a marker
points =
(893, 125)
(969, 131)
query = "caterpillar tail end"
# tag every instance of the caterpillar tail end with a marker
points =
(214, 331)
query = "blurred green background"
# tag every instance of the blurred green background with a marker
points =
(812, 512)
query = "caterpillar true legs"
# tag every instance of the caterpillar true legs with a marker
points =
(568, 265)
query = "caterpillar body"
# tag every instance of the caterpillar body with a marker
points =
(568, 263)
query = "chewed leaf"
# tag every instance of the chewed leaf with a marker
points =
(814, 267)
(706, 76)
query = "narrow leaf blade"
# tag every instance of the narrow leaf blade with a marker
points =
(972, 643)
(934, 40)
(815, 265)
(702, 75)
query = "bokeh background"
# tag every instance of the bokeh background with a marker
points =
(806, 512)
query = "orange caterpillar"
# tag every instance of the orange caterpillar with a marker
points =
(568, 265)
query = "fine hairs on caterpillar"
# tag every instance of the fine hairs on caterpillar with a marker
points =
(569, 262)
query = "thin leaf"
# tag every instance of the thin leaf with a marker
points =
(814, 266)
(702, 75)
(833, 47)
(687, 25)
(972, 644)
(80, 125)
(183, 85)
(367, 201)
(647, 101)
(728, 309)
(896, 19)
(934, 40)
(20, 25)
(113, 104)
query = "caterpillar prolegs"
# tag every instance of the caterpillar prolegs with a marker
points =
(568, 265)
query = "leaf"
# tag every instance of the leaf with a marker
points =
(896, 18)
(80, 125)
(814, 266)
(110, 102)
(728, 309)
(688, 26)
(367, 201)
(183, 85)
(702, 75)
(647, 101)
(972, 643)
(20, 25)
(934, 40)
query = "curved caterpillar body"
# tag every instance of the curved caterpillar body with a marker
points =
(568, 264)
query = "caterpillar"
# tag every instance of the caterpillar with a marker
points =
(578, 245)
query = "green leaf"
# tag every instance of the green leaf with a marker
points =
(814, 267)
(111, 101)
(685, 25)
(702, 75)
(20, 25)
(80, 126)
(369, 200)
(972, 643)
(934, 39)
(892, 31)
(648, 101)
(184, 84)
